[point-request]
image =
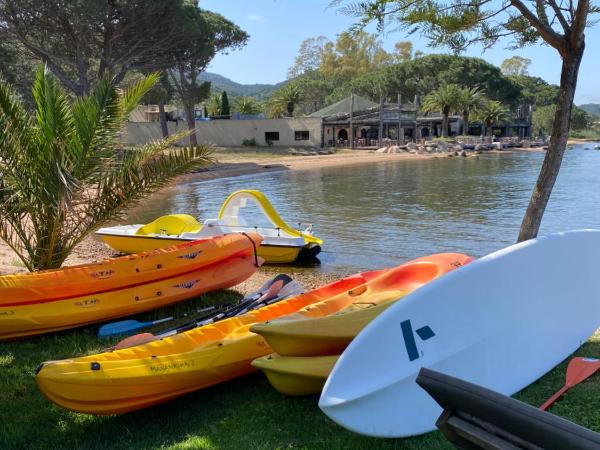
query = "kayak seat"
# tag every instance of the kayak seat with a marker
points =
(174, 224)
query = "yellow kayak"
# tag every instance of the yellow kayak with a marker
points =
(133, 378)
(296, 375)
(326, 328)
(243, 211)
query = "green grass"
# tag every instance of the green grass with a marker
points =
(240, 414)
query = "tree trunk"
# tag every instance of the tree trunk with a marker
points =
(445, 124)
(163, 118)
(556, 149)
(465, 123)
(191, 122)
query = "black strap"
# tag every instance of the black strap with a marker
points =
(254, 248)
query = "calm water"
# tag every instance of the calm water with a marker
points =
(380, 214)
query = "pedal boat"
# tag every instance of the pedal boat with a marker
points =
(281, 243)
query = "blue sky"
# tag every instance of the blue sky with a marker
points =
(277, 27)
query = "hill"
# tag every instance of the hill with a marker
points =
(220, 83)
(593, 108)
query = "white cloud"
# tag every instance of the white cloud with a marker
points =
(256, 18)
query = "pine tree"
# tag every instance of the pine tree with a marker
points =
(224, 104)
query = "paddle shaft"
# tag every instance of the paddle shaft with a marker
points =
(207, 319)
(253, 301)
(555, 397)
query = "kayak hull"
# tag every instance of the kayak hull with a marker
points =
(296, 375)
(144, 383)
(117, 273)
(136, 244)
(328, 327)
(39, 318)
(272, 254)
(328, 335)
(129, 379)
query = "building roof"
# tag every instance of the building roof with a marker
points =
(343, 106)
(370, 116)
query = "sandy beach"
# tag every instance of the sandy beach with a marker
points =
(236, 164)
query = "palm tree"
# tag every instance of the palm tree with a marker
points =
(246, 105)
(444, 99)
(288, 97)
(213, 104)
(469, 99)
(63, 172)
(275, 109)
(490, 113)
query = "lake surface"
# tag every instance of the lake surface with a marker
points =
(381, 214)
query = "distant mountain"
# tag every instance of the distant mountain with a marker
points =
(220, 83)
(593, 108)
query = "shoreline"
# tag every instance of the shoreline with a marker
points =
(577, 141)
(228, 165)
(232, 165)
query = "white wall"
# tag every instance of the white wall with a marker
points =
(231, 133)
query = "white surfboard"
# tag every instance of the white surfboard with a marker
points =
(501, 322)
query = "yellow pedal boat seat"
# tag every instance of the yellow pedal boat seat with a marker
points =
(174, 224)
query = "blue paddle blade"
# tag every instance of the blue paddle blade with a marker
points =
(122, 327)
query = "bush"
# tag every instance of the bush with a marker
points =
(592, 133)
(269, 142)
(249, 142)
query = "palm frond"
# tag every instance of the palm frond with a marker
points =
(140, 176)
(133, 93)
(64, 173)
(14, 126)
(53, 113)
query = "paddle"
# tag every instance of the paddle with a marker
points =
(290, 290)
(272, 292)
(129, 326)
(232, 310)
(578, 370)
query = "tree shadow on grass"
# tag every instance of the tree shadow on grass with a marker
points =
(242, 413)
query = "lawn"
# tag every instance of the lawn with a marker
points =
(244, 413)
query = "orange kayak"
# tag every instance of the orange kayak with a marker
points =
(44, 317)
(134, 378)
(326, 328)
(126, 271)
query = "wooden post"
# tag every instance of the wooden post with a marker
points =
(416, 133)
(333, 136)
(322, 134)
(381, 100)
(351, 120)
(400, 130)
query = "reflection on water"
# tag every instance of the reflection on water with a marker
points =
(380, 214)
